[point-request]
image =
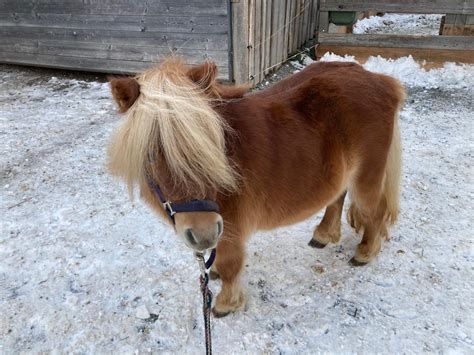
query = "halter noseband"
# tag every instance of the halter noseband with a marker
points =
(172, 208)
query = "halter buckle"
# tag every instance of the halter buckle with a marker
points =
(167, 207)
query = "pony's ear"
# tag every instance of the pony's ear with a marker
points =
(203, 75)
(125, 92)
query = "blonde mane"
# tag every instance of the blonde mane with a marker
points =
(172, 116)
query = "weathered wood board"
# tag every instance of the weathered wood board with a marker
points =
(401, 6)
(458, 25)
(117, 36)
(431, 57)
(433, 49)
(397, 41)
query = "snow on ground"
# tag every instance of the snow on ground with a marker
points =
(79, 260)
(400, 24)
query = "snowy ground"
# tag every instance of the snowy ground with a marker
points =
(78, 260)
(401, 24)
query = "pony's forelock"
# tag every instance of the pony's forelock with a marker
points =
(173, 117)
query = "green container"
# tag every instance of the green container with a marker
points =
(343, 18)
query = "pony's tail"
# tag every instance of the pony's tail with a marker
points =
(394, 166)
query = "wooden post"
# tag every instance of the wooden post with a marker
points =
(240, 37)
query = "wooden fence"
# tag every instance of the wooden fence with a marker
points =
(266, 32)
(122, 36)
(431, 48)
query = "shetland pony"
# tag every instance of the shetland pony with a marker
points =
(268, 159)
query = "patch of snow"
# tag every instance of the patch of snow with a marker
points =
(401, 24)
(142, 312)
(412, 74)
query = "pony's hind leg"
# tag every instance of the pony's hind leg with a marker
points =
(368, 212)
(329, 230)
(355, 220)
(374, 226)
(228, 267)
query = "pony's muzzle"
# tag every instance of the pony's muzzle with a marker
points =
(199, 230)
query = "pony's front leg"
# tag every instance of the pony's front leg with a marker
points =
(229, 263)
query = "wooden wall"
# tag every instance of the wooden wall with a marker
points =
(266, 32)
(120, 36)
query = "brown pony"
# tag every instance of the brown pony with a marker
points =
(268, 159)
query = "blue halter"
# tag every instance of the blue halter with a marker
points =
(172, 208)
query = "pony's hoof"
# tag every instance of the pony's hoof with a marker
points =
(315, 244)
(218, 314)
(355, 262)
(213, 275)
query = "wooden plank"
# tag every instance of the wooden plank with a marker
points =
(115, 52)
(323, 22)
(458, 25)
(251, 41)
(269, 33)
(274, 37)
(139, 23)
(89, 64)
(306, 21)
(297, 24)
(394, 41)
(314, 18)
(263, 36)
(240, 28)
(116, 7)
(436, 57)
(167, 40)
(301, 24)
(291, 29)
(308, 25)
(286, 34)
(466, 30)
(401, 6)
(257, 41)
(281, 55)
(295, 19)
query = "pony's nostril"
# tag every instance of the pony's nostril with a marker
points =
(220, 227)
(190, 236)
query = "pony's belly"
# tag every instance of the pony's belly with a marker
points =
(280, 218)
